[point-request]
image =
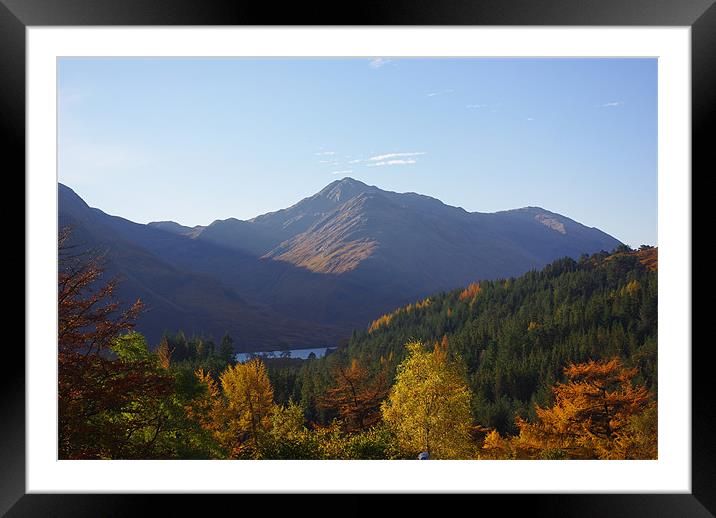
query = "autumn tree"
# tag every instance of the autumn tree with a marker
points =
(164, 353)
(598, 413)
(248, 400)
(146, 421)
(429, 404)
(208, 410)
(109, 393)
(356, 396)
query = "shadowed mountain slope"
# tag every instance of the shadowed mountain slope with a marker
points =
(312, 272)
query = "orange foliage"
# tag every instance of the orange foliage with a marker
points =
(164, 354)
(384, 320)
(441, 349)
(356, 396)
(381, 321)
(470, 292)
(649, 257)
(591, 414)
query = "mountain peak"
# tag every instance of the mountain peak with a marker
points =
(345, 189)
(346, 181)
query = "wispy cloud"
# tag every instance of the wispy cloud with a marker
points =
(529, 119)
(475, 106)
(379, 62)
(612, 104)
(347, 171)
(441, 92)
(393, 162)
(325, 153)
(380, 158)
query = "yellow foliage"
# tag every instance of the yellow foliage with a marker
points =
(429, 405)
(240, 411)
(248, 398)
(631, 288)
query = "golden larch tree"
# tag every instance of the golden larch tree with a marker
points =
(596, 414)
(249, 401)
(429, 404)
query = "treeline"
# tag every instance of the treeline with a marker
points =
(518, 368)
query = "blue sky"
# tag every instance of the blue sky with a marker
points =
(198, 140)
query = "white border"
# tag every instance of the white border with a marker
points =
(672, 472)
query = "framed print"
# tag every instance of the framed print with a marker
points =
(412, 233)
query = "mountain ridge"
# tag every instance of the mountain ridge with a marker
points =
(330, 262)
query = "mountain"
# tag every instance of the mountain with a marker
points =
(175, 297)
(414, 242)
(312, 272)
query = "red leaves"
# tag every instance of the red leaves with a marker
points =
(103, 403)
(356, 396)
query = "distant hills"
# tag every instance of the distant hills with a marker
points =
(309, 274)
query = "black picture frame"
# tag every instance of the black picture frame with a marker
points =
(699, 15)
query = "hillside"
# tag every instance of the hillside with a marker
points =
(174, 297)
(515, 335)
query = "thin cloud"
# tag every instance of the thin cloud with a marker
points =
(530, 119)
(612, 104)
(380, 158)
(325, 153)
(442, 92)
(379, 62)
(474, 106)
(394, 162)
(347, 171)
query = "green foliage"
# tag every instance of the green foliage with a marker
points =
(378, 442)
(199, 352)
(288, 437)
(132, 347)
(500, 349)
(553, 454)
(515, 335)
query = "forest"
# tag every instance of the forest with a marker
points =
(559, 363)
